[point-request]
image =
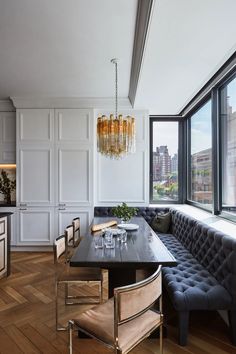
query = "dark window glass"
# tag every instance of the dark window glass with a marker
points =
(164, 183)
(228, 148)
(201, 156)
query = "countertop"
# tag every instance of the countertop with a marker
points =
(2, 215)
(5, 205)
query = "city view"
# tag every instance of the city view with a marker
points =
(165, 174)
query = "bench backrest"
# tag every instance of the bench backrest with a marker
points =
(216, 252)
(182, 228)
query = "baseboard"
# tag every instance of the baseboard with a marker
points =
(31, 248)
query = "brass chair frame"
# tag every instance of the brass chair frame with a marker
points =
(57, 256)
(117, 322)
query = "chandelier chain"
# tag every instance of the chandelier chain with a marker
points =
(116, 88)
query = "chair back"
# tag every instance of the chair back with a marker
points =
(69, 234)
(59, 248)
(132, 300)
(76, 230)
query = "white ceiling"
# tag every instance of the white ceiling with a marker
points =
(62, 48)
(188, 41)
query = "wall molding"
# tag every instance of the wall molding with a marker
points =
(70, 102)
(143, 21)
(6, 106)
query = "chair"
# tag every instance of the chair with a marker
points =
(72, 275)
(124, 321)
(69, 235)
(76, 231)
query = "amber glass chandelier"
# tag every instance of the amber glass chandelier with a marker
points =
(115, 135)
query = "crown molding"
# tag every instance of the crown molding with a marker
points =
(143, 21)
(69, 102)
(6, 106)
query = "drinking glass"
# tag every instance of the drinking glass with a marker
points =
(98, 241)
(108, 239)
(124, 236)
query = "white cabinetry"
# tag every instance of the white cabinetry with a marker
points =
(36, 226)
(7, 137)
(3, 246)
(54, 172)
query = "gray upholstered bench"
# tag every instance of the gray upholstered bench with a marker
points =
(205, 277)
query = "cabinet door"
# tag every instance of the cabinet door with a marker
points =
(3, 246)
(7, 137)
(35, 175)
(35, 226)
(74, 126)
(74, 171)
(13, 219)
(64, 217)
(35, 125)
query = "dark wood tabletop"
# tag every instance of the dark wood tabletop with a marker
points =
(143, 250)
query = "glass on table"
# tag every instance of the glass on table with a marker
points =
(108, 239)
(123, 236)
(98, 241)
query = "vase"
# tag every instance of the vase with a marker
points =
(124, 221)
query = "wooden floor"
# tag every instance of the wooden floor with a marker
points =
(27, 317)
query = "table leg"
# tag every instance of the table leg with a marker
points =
(120, 277)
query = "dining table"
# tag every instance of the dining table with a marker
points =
(143, 250)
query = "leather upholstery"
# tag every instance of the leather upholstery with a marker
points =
(99, 321)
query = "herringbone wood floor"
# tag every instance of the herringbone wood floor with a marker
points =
(27, 317)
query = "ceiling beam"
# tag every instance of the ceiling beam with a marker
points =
(143, 20)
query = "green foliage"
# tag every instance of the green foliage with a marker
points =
(124, 212)
(6, 185)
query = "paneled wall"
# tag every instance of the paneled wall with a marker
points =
(60, 174)
(127, 179)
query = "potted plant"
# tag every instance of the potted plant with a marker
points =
(6, 186)
(124, 212)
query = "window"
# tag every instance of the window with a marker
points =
(164, 183)
(201, 156)
(228, 145)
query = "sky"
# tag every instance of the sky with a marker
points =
(166, 133)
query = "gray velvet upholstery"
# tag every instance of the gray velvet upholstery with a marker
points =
(205, 277)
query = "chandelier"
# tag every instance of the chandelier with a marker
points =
(115, 135)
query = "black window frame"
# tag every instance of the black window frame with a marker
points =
(181, 157)
(212, 91)
(189, 172)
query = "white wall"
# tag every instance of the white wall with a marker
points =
(125, 180)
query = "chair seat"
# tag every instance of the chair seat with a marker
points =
(82, 273)
(99, 322)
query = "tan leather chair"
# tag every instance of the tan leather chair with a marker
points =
(124, 321)
(69, 235)
(76, 231)
(72, 275)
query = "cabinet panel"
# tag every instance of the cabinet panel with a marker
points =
(13, 220)
(73, 125)
(65, 216)
(35, 125)
(35, 168)
(7, 137)
(36, 226)
(3, 246)
(74, 175)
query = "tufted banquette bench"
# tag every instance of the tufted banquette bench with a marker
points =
(205, 277)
